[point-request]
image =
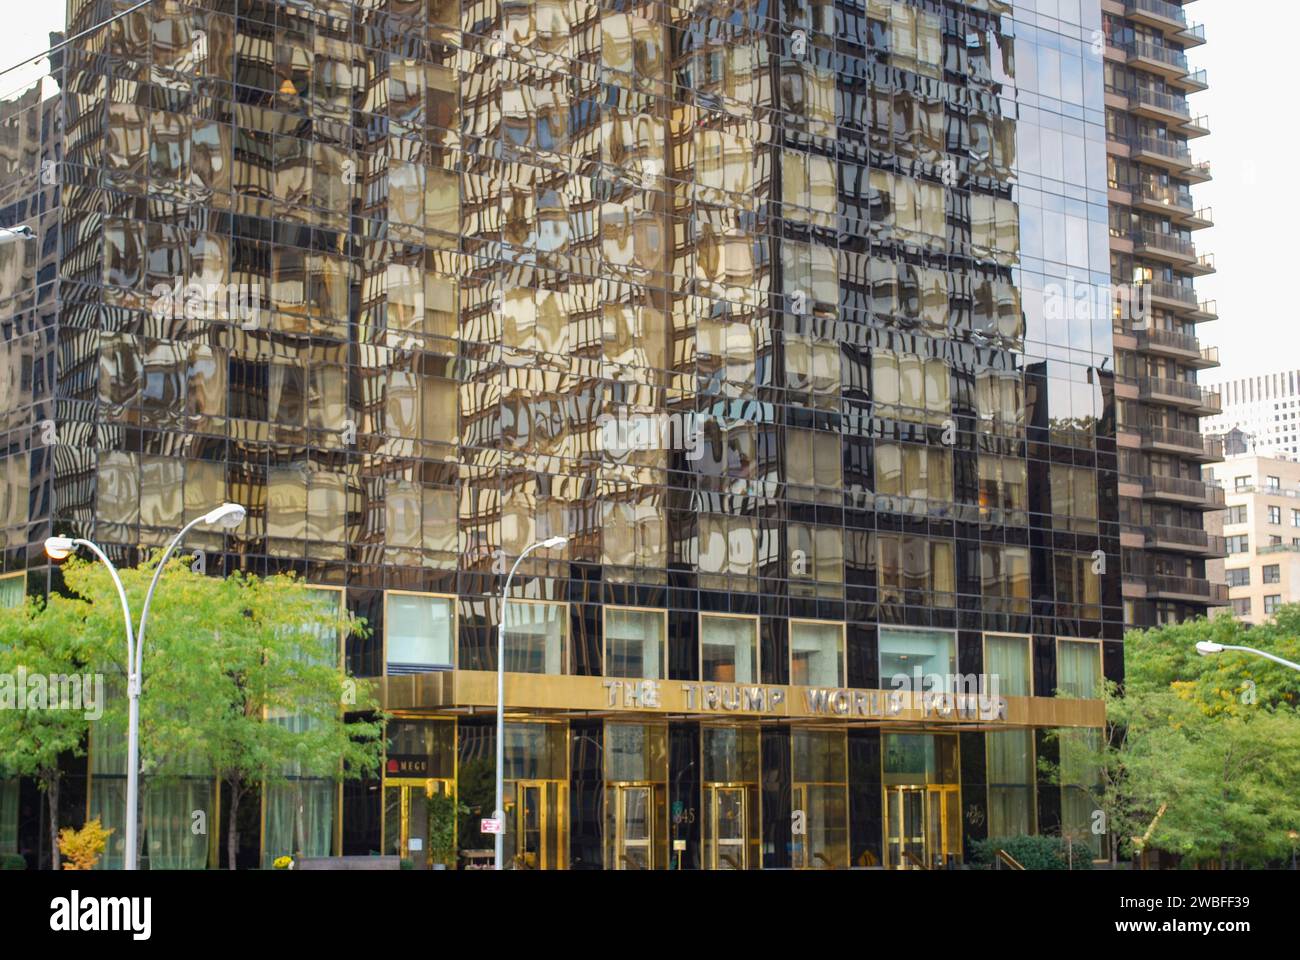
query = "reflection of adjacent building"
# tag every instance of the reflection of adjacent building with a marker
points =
(469, 248)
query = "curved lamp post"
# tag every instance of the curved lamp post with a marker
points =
(60, 548)
(499, 814)
(1208, 648)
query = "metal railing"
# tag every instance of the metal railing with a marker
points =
(1167, 242)
(1172, 149)
(1184, 487)
(1278, 548)
(1186, 439)
(1267, 491)
(1157, 8)
(1169, 338)
(1173, 291)
(1186, 536)
(1174, 103)
(1191, 392)
(1168, 196)
(1189, 586)
(1007, 860)
(1157, 52)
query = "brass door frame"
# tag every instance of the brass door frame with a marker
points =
(928, 792)
(548, 859)
(894, 820)
(941, 792)
(712, 790)
(620, 822)
(406, 785)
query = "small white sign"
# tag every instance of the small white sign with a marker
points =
(679, 845)
(415, 844)
(488, 825)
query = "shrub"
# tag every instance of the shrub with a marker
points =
(83, 847)
(444, 810)
(12, 861)
(1031, 852)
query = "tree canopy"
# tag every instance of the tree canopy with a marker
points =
(243, 678)
(1203, 753)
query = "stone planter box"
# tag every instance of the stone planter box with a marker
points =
(348, 863)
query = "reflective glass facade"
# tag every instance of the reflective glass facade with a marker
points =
(751, 301)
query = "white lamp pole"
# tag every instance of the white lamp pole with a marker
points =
(59, 548)
(499, 814)
(1208, 647)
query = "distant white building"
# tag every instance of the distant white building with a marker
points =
(1266, 408)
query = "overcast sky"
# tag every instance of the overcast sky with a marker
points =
(1252, 146)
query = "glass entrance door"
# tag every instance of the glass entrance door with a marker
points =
(943, 825)
(923, 828)
(633, 834)
(905, 822)
(537, 825)
(531, 830)
(406, 818)
(728, 817)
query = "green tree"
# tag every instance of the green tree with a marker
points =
(37, 640)
(1100, 758)
(1214, 742)
(242, 678)
(1229, 683)
(279, 710)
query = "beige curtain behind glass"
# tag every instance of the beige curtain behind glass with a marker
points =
(171, 843)
(299, 819)
(1011, 782)
(108, 788)
(1080, 783)
(1007, 658)
(1078, 669)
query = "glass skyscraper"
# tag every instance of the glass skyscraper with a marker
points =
(784, 314)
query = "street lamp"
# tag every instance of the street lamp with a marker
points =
(499, 814)
(1208, 648)
(60, 548)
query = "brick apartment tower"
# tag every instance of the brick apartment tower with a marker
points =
(1153, 216)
